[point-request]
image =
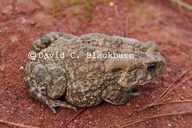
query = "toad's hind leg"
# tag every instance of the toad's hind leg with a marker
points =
(50, 38)
(42, 86)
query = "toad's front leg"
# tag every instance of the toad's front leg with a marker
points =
(46, 83)
(117, 95)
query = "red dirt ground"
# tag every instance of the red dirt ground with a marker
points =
(164, 22)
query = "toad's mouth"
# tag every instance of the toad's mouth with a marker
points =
(136, 77)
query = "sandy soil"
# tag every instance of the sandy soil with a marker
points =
(164, 22)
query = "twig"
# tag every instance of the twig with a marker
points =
(173, 102)
(174, 87)
(126, 26)
(73, 117)
(180, 83)
(167, 90)
(156, 116)
(116, 11)
(16, 125)
(155, 103)
(181, 3)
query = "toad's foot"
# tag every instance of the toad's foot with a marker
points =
(56, 103)
(133, 94)
(48, 39)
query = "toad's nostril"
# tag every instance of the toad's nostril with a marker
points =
(116, 69)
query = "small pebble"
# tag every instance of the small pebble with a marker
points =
(111, 4)
(128, 104)
(169, 125)
(14, 39)
(21, 68)
(182, 98)
(7, 10)
(90, 116)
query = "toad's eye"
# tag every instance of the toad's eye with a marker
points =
(151, 67)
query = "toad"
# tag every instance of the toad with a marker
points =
(89, 69)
